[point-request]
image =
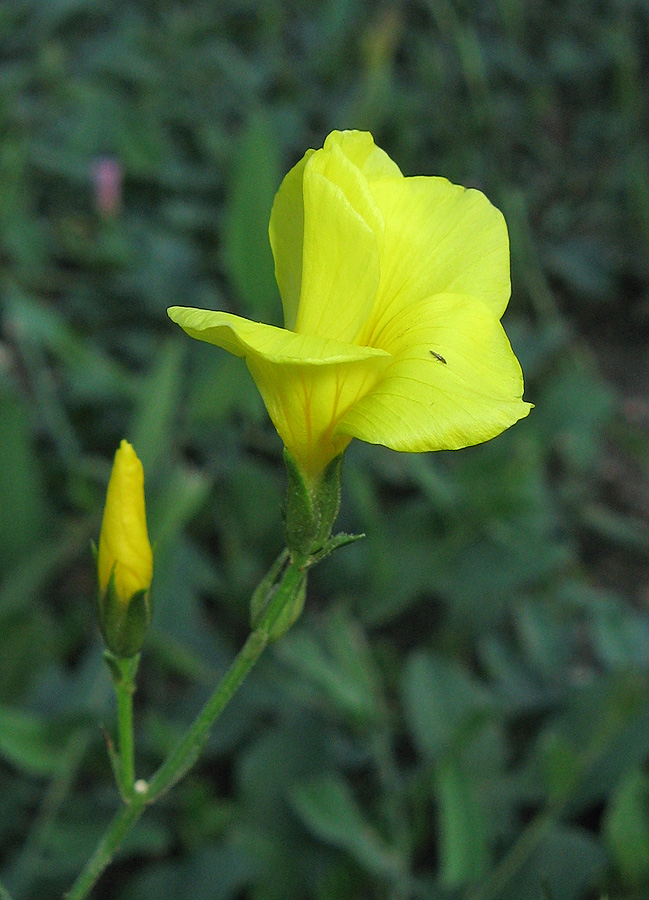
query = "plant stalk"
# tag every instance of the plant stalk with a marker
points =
(124, 690)
(185, 755)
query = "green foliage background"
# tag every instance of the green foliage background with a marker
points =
(463, 711)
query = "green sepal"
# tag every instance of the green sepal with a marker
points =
(290, 612)
(309, 513)
(282, 604)
(327, 500)
(264, 590)
(338, 540)
(301, 516)
(111, 661)
(311, 509)
(123, 625)
(123, 670)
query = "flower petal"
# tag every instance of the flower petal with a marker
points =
(329, 245)
(306, 402)
(123, 541)
(286, 231)
(360, 149)
(307, 382)
(454, 381)
(242, 337)
(439, 238)
(286, 227)
(343, 236)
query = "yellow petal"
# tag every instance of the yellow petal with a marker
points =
(123, 541)
(340, 247)
(342, 229)
(286, 231)
(306, 402)
(286, 227)
(425, 403)
(307, 382)
(243, 337)
(439, 238)
(360, 149)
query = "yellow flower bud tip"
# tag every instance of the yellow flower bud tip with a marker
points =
(124, 549)
(393, 289)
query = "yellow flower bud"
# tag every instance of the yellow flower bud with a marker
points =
(124, 547)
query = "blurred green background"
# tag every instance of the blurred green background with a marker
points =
(463, 711)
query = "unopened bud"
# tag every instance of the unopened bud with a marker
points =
(124, 558)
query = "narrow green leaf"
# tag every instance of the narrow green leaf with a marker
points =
(329, 809)
(185, 491)
(565, 863)
(441, 702)
(151, 428)
(248, 256)
(32, 743)
(22, 505)
(338, 660)
(463, 850)
(626, 827)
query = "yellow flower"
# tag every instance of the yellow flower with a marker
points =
(124, 547)
(392, 289)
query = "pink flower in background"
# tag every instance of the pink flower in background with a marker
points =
(108, 177)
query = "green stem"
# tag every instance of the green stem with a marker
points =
(123, 672)
(188, 750)
(183, 757)
(125, 690)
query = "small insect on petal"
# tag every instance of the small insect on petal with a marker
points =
(438, 356)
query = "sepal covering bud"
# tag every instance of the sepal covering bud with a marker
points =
(278, 602)
(311, 506)
(123, 625)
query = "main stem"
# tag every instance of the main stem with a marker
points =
(125, 728)
(183, 757)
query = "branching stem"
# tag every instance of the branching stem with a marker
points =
(183, 757)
